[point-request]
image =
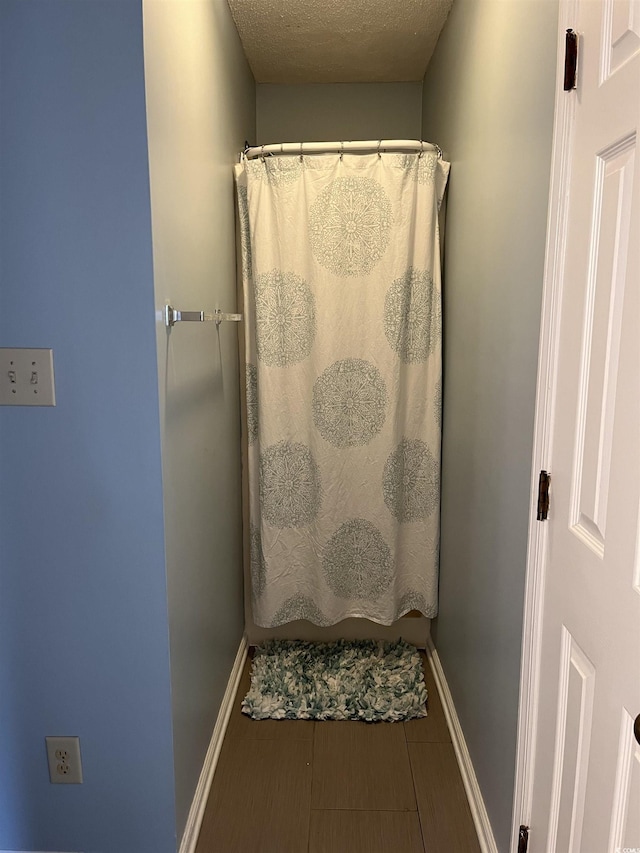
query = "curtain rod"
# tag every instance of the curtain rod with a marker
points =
(363, 146)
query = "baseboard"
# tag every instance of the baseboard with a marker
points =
(196, 812)
(474, 795)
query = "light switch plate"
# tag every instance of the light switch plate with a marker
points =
(26, 377)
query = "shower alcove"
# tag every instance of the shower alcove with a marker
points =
(203, 103)
(344, 291)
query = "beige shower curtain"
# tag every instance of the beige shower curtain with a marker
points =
(341, 280)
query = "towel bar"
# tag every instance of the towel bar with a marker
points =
(173, 316)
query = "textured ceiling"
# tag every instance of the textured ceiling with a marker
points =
(339, 41)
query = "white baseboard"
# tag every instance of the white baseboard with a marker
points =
(196, 812)
(474, 795)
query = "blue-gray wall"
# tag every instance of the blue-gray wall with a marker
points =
(320, 112)
(83, 612)
(200, 110)
(488, 101)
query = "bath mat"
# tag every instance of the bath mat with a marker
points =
(348, 680)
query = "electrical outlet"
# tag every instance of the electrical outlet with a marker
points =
(26, 377)
(65, 766)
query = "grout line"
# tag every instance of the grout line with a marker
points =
(311, 809)
(386, 811)
(280, 739)
(313, 758)
(424, 663)
(413, 783)
(415, 792)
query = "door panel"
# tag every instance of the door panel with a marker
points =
(586, 781)
(601, 345)
(621, 35)
(571, 761)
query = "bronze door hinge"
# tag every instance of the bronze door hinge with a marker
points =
(543, 495)
(523, 839)
(570, 60)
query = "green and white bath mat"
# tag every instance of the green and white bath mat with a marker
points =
(348, 680)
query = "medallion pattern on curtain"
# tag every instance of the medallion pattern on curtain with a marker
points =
(341, 278)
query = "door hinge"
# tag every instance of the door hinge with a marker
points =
(570, 60)
(523, 839)
(543, 495)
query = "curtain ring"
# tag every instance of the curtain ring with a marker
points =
(262, 153)
(341, 150)
(301, 144)
(379, 144)
(438, 150)
(421, 149)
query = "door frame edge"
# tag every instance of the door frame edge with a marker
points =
(537, 543)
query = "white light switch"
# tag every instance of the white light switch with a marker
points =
(26, 377)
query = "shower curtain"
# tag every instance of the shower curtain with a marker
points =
(342, 299)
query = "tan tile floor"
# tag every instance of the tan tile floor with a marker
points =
(289, 786)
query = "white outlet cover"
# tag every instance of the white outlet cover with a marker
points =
(26, 377)
(65, 764)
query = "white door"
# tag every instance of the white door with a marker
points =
(586, 769)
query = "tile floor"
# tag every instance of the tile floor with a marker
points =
(291, 786)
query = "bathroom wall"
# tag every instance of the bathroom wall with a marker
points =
(83, 614)
(200, 109)
(335, 111)
(488, 101)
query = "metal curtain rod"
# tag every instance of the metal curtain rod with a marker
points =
(364, 146)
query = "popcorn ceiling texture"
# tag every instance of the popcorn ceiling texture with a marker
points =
(339, 41)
